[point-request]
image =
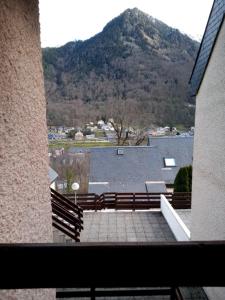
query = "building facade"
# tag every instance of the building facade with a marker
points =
(208, 84)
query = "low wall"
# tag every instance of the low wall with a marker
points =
(177, 226)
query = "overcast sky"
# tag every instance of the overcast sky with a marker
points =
(67, 20)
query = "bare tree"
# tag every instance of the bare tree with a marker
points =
(73, 167)
(128, 120)
(140, 135)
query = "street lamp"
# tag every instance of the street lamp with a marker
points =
(75, 186)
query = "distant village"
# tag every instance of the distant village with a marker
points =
(110, 167)
(104, 131)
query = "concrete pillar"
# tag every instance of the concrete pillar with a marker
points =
(25, 208)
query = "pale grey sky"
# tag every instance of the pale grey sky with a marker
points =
(67, 20)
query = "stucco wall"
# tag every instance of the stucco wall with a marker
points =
(208, 204)
(208, 196)
(25, 210)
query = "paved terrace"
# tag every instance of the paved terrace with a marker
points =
(125, 227)
(121, 226)
(185, 215)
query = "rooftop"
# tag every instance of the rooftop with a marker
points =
(208, 41)
(135, 169)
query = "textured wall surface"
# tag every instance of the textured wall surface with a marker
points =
(25, 208)
(208, 191)
(208, 208)
(44, 294)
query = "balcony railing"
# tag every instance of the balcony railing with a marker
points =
(131, 201)
(113, 266)
(66, 216)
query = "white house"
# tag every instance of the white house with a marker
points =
(208, 85)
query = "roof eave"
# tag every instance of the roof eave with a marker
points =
(213, 45)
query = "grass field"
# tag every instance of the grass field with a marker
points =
(67, 144)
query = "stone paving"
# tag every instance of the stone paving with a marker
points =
(125, 227)
(121, 226)
(185, 215)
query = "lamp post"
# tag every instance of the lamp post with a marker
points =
(75, 187)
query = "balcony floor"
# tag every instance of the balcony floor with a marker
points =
(185, 215)
(128, 226)
(125, 227)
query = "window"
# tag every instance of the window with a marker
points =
(120, 152)
(169, 162)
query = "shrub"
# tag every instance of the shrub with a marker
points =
(190, 177)
(183, 180)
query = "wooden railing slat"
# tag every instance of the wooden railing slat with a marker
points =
(130, 200)
(69, 212)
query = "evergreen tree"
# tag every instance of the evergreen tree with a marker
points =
(190, 177)
(181, 183)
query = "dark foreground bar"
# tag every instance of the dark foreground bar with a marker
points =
(93, 293)
(112, 265)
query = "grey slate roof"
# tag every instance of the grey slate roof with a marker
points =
(119, 187)
(52, 174)
(212, 29)
(179, 148)
(98, 188)
(153, 187)
(130, 172)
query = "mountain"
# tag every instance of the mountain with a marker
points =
(135, 57)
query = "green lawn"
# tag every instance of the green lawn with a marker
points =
(82, 144)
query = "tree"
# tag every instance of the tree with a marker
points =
(128, 120)
(71, 134)
(181, 181)
(140, 135)
(72, 167)
(190, 177)
(70, 176)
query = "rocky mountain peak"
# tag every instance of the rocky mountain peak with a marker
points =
(134, 57)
